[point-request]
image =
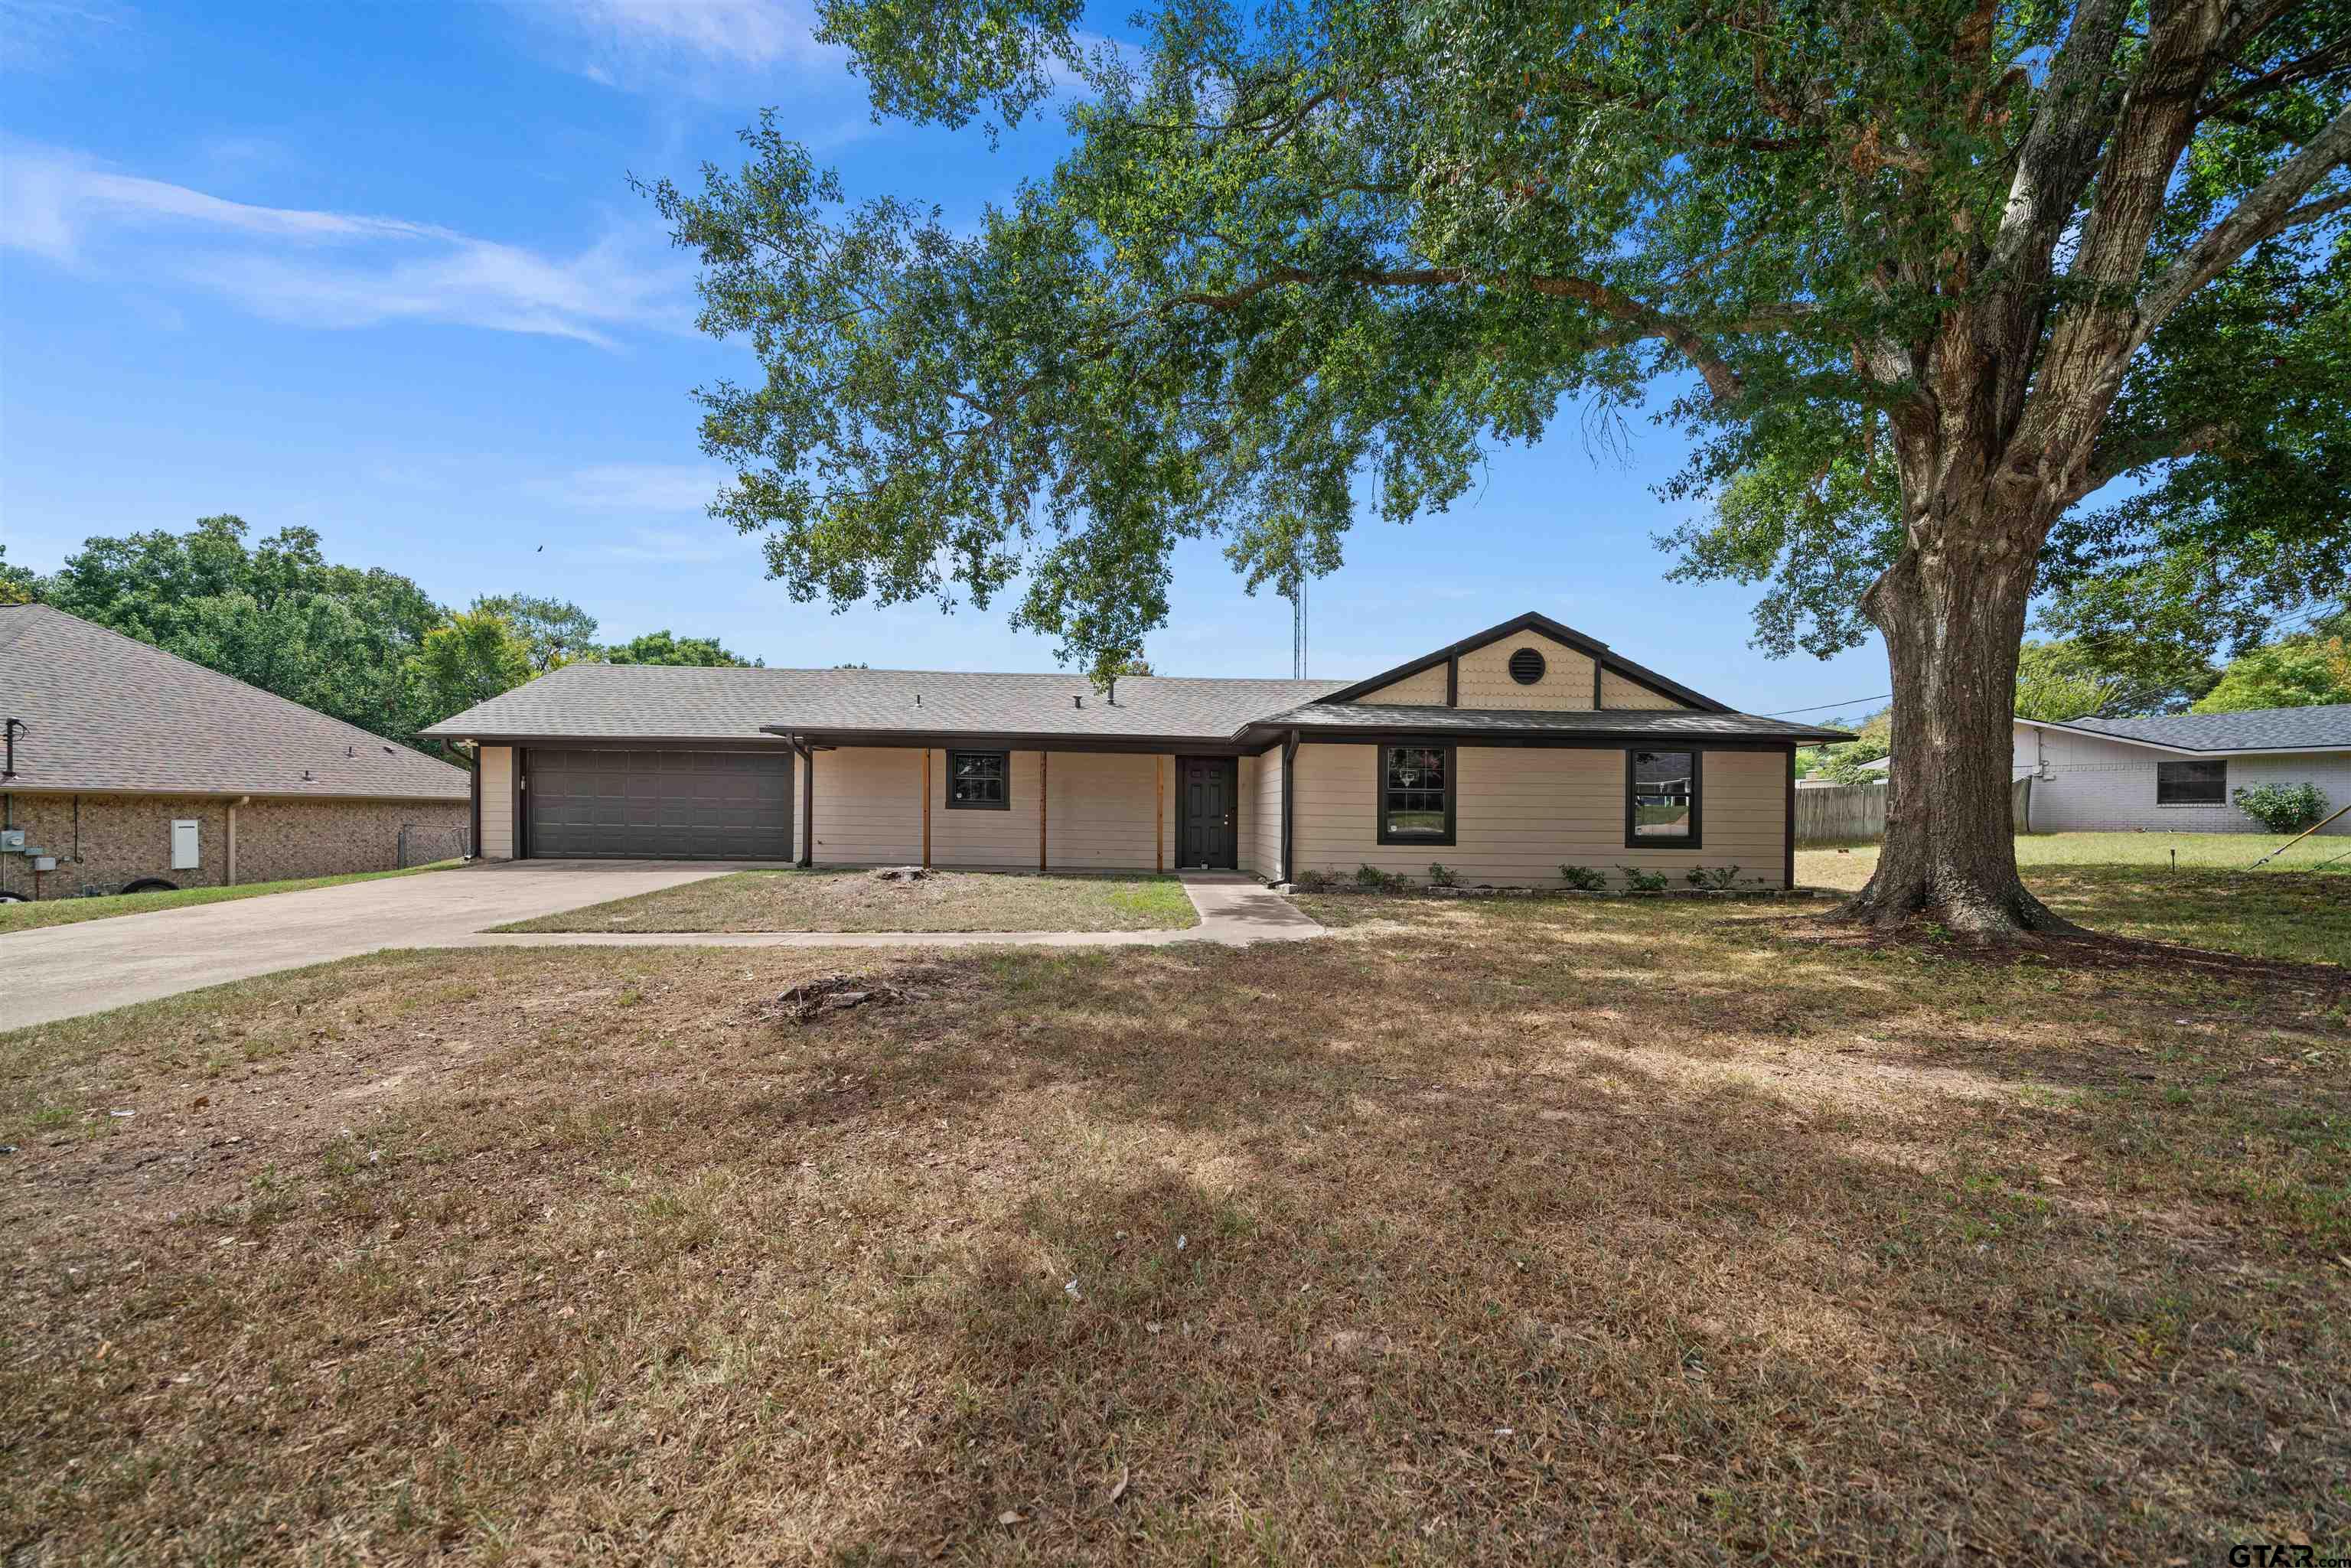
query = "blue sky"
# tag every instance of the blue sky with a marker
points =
(376, 268)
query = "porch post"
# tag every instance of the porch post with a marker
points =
(1788, 783)
(1159, 814)
(927, 805)
(1044, 796)
(808, 805)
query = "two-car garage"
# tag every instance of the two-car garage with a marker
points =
(600, 804)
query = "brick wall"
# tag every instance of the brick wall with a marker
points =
(2089, 784)
(103, 841)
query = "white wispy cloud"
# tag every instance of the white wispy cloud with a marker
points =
(669, 546)
(702, 46)
(672, 488)
(322, 268)
(43, 34)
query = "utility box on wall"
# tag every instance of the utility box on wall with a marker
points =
(185, 843)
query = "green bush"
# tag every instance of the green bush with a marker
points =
(1371, 879)
(1716, 880)
(1442, 875)
(1584, 878)
(1314, 881)
(2282, 808)
(1639, 881)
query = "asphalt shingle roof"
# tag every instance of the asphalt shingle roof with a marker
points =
(658, 702)
(663, 703)
(105, 713)
(2323, 728)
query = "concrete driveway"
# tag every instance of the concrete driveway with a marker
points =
(61, 971)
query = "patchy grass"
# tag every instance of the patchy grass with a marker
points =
(72, 911)
(855, 901)
(1522, 1231)
(2210, 901)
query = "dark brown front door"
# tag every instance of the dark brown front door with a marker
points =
(1211, 835)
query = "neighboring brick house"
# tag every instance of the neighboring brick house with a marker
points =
(133, 765)
(2177, 774)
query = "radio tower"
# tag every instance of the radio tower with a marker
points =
(1298, 631)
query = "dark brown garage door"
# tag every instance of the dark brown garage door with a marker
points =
(659, 805)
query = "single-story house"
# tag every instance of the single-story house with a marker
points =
(128, 767)
(2177, 773)
(1501, 756)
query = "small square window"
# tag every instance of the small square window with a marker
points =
(1662, 798)
(979, 780)
(2192, 783)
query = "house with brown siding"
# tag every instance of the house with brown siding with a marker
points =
(1501, 756)
(128, 768)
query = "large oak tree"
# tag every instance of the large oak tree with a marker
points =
(1902, 269)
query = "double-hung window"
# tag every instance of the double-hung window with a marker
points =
(979, 780)
(1415, 794)
(1662, 801)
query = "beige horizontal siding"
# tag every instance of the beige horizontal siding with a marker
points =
(961, 837)
(1522, 813)
(869, 806)
(1250, 829)
(1262, 828)
(1616, 691)
(1427, 688)
(1098, 811)
(497, 803)
(1486, 680)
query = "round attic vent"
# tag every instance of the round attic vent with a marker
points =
(1526, 666)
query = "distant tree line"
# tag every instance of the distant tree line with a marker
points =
(358, 644)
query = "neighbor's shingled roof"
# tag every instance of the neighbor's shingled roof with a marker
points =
(2323, 728)
(106, 713)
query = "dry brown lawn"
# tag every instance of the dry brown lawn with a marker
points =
(857, 901)
(1514, 1232)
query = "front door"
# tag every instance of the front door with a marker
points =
(1211, 835)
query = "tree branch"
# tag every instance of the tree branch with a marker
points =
(1646, 322)
(2268, 210)
(2060, 149)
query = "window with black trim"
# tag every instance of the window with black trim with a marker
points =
(979, 780)
(1662, 799)
(2192, 783)
(1416, 787)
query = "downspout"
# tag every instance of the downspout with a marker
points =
(1289, 793)
(233, 805)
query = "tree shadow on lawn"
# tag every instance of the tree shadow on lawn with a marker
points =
(673, 1277)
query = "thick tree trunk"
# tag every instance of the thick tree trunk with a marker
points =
(1953, 617)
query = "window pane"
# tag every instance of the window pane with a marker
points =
(977, 777)
(1414, 803)
(2192, 783)
(1663, 794)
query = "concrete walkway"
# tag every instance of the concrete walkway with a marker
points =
(63, 971)
(1235, 911)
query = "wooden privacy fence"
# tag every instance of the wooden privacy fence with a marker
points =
(1842, 812)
